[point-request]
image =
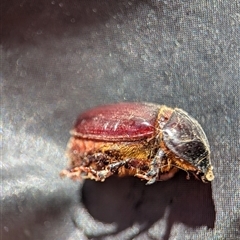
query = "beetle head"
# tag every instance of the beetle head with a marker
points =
(184, 136)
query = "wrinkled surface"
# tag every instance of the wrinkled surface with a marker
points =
(60, 58)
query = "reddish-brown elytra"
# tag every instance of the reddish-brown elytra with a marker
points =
(145, 140)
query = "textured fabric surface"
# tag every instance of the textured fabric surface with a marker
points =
(59, 58)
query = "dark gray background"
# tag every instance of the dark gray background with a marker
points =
(61, 57)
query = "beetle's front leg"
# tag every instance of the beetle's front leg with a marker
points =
(152, 175)
(155, 166)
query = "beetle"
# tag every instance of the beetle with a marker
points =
(146, 140)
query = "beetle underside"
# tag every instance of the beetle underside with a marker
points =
(99, 160)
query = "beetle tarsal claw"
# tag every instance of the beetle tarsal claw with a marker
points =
(151, 181)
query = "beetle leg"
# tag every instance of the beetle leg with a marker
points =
(155, 165)
(142, 176)
(74, 173)
(152, 175)
(115, 166)
(81, 172)
(101, 175)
